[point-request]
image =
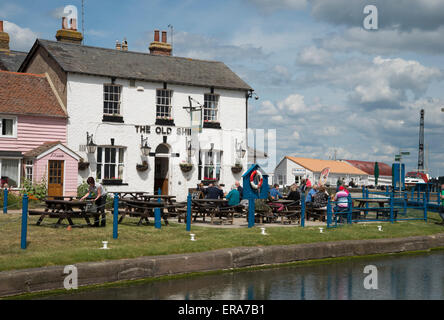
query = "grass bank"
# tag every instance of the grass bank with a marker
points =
(49, 246)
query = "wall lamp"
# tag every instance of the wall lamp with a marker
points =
(144, 147)
(91, 147)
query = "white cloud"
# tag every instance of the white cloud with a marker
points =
(293, 104)
(21, 39)
(314, 56)
(273, 5)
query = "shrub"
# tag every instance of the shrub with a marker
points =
(34, 190)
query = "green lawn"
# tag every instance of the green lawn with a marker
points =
(58, 246)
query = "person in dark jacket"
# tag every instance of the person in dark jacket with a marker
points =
(240, 189)
(213, 192)
(294, 193)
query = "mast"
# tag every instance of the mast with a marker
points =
(421, 143)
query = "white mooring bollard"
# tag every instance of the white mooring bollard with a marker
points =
(321, 230)
(192, 237)
(105, 245)
(379, 228)
(263, 232)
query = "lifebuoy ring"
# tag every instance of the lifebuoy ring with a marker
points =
(253, 175)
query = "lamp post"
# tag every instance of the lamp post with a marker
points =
(144, 147)
(90, 145)
(398, 157)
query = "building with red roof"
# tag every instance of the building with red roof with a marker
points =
(32, 117)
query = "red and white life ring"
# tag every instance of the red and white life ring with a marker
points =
(261, 180)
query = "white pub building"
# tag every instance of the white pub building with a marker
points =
(130, 116)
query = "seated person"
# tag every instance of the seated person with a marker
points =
(320, 198)
(213, 192)
(233, 197)
(294, 193)
(276, 195)
(341, 197)
(310, 194)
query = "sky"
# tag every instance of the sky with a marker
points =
(328, 87)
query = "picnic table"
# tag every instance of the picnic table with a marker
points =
(145, 209)
(291, 211)
(381, 209)
(215, 208)
(66, 209)
(132, 194)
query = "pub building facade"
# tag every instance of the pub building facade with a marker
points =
(147, 121)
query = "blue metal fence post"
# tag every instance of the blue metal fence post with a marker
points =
(405, 202)
(425, 208)
(5, 201)
(350, 208)
(328, 213)
(303, 209)
(116, 216)
(24, 221)
(251, 209)
(386, 191)
(391, 207)
(189, 212)
(157, 218)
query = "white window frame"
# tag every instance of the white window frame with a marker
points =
(116, 105)
(162, 104)
(212, 159)
(119, 165)
(211, 107)
(29, 166)
(14, 126)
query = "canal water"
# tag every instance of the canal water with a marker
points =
(396, 277)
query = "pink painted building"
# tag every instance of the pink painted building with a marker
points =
(33, 122)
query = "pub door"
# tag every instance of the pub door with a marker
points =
(55, 178)
(161, 169)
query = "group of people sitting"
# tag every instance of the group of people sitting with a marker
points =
(215, 191)
(316, 196)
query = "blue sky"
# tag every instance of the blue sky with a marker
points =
(325, 83)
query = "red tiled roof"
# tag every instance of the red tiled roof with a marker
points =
(28, 94)
(369, 167)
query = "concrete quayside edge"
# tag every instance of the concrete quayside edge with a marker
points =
(17, 282)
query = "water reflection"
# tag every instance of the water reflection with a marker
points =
(399, 277)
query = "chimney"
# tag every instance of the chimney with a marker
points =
(160, 48)
(124, 45)
(4, 39)
(69, 35)
(118, 46)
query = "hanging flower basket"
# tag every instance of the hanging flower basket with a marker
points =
(83, 165)
(186, 167)
(237, 168)
(142, 167)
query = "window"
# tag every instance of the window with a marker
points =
(8, 127)
(10, 172)
(211, 105)
(111, 99)
(212, 167)
(28, 170)
(110, 163)
(163, 103)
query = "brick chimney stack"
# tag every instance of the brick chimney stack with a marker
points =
(69, 35)
(124, 45)
(160, 48)
(4, 39)
(118, 45)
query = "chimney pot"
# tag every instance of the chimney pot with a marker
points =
(64, 23)
(164, 36)
(1, 25)
(118, 46)
(124, 45)
(74, 24)
(156, 35)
